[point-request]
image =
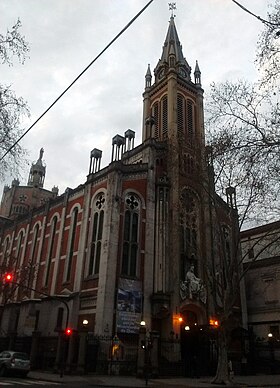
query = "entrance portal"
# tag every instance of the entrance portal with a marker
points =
(198, 347)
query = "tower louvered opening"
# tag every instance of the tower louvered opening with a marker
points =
(164, 117)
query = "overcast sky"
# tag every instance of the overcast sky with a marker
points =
(65, 36)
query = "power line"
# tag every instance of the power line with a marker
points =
(256, 16)
(79, 76)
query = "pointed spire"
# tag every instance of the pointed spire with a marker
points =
(197, 75)
(172, 42)
(148, 77)
(172, 54)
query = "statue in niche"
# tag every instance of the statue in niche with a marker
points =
(192, 287)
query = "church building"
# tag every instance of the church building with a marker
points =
(127, 255)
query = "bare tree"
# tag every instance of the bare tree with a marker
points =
(244, 133)
(226, 278)
(12, 108)
(268, 53)
(13, 44)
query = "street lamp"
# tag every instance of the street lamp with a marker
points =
(271, 349)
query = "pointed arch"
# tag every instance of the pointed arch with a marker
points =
(131, 235)
(189, 229)
(71, 243)
(95, 234)
(51, 248)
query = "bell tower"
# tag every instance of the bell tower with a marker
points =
(174, 100)
(173, 115)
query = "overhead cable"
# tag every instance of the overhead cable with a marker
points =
(79, 76)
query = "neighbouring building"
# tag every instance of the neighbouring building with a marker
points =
(261, 257)
(18, 200)
(135, 242)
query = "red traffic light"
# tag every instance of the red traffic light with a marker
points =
(68, 331)
(8, 277)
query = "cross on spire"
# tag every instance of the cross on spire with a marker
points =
(172, 7)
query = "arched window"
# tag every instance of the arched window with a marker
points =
(19, 247)
(6, 250)
(71, 244)
(155, 113)
(189, 230)
(34, 244)
(180, 115)
(130, 235)
(164, 117)
(33, 254)
(190, 121)
(50, 252)
(96, 234)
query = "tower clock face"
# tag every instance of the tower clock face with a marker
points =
(182, 72)
(161, 74)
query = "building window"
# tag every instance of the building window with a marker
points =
(190, 122)
(189, 230)
(251, 254)
(96, 235)
(130, 235)
(59, 319)
(34, 243)
(181, 114)
(19, 247)
(33, 255)
(164, 106)
(71, 243)
(5, 257)
(155, 113)
(50, 250)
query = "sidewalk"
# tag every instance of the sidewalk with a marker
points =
(133, 382)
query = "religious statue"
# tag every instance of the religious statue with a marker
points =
(195, 283)
(192, 287)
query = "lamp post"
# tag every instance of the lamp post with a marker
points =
(271, 350)
(144, 367)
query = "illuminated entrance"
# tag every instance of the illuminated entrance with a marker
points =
(198, 346)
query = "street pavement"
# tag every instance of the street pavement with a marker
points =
(133, 382)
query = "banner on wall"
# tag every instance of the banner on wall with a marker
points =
(129, 306)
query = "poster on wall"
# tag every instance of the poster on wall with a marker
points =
(129, 306)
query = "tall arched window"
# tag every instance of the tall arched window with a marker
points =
(33, 254)
(19, 247)
(155, 113)
(34, 244)
(190, 121)
(130, 235)
(50, 252)
(180, 114)
(6, 250)
(96, 234)
(164, 117)
(189, 230)
(71, 244)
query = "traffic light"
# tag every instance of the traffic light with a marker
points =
(68, 332)
(8, 278)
